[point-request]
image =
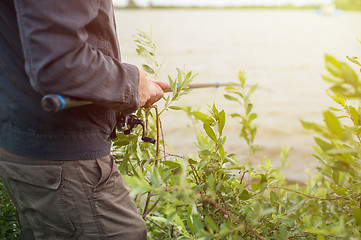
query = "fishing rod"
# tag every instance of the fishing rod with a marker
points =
(57, 102)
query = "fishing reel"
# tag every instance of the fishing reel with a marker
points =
(127, 123)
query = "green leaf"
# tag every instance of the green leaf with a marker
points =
(252, 116)
(123, 140)
(231, 98)
(333, 123)
(337, 98)
(231, 161)
(222, 121)
(349, 75)
(245, 195)
(341, 166)
(210, 182)
(236, 115)
(354, 60)
(198, 225)
(323, 144)
(242, 77)
(141, 50)
(320, 237)
(200, 116)
(207, 128)
(331, 80)
(249, 108)
(338, 190)
(253, 89)
(333, 66)
(137, 186)
(210, 223)
(171, 164)
(158, 219)
(175, 108)
(283, 232)
(154, 178)
(273, 197)
(190, 218)
(354, 115)
(357, 215)
(179, 77)
(148, 69)
(192, 161)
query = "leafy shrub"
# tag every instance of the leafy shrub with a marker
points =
(348, 4)
(338, 150)
(209, 195)
(9, 225)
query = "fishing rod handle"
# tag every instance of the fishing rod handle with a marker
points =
(57, 102)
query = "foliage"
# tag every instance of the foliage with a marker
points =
(338, 150)
(348, 4)
(242, 96)
(9, 225)
(209, 195)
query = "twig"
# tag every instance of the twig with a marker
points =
(259, 221)
(224, 203)
(146, 204)
(225, 211)
(157, 126)
(162, 132)
(244, 173)
(194, 174)
(300, 236)
(150, 209)
(164, 230)
(174, 155)
(306, 195)
(9, 219)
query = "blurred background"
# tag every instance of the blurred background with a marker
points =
(280, 44)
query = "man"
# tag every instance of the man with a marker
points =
(57, 167)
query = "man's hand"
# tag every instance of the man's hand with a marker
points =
(150, 91)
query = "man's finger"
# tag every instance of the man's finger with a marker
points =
(161, 84)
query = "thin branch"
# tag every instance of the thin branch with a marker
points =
(244, 173)
(150, 209)
(174, 155)
(225, 211)
(300, 236)
(146, 204)
(162, 132)
(306, 195)
(9, 219)
(157, 126)
(259, 221)
(160, 227)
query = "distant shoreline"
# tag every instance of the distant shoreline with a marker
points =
(288, 7)
(148, 4)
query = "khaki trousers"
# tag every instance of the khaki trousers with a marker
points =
(82, 199)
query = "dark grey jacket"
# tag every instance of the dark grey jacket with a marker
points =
(67, 47)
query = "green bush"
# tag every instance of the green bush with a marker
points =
(9, 224)
(209, 195)
(348, 4)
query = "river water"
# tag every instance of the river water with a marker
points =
(280, 50)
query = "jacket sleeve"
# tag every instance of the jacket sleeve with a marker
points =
(58, 58)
